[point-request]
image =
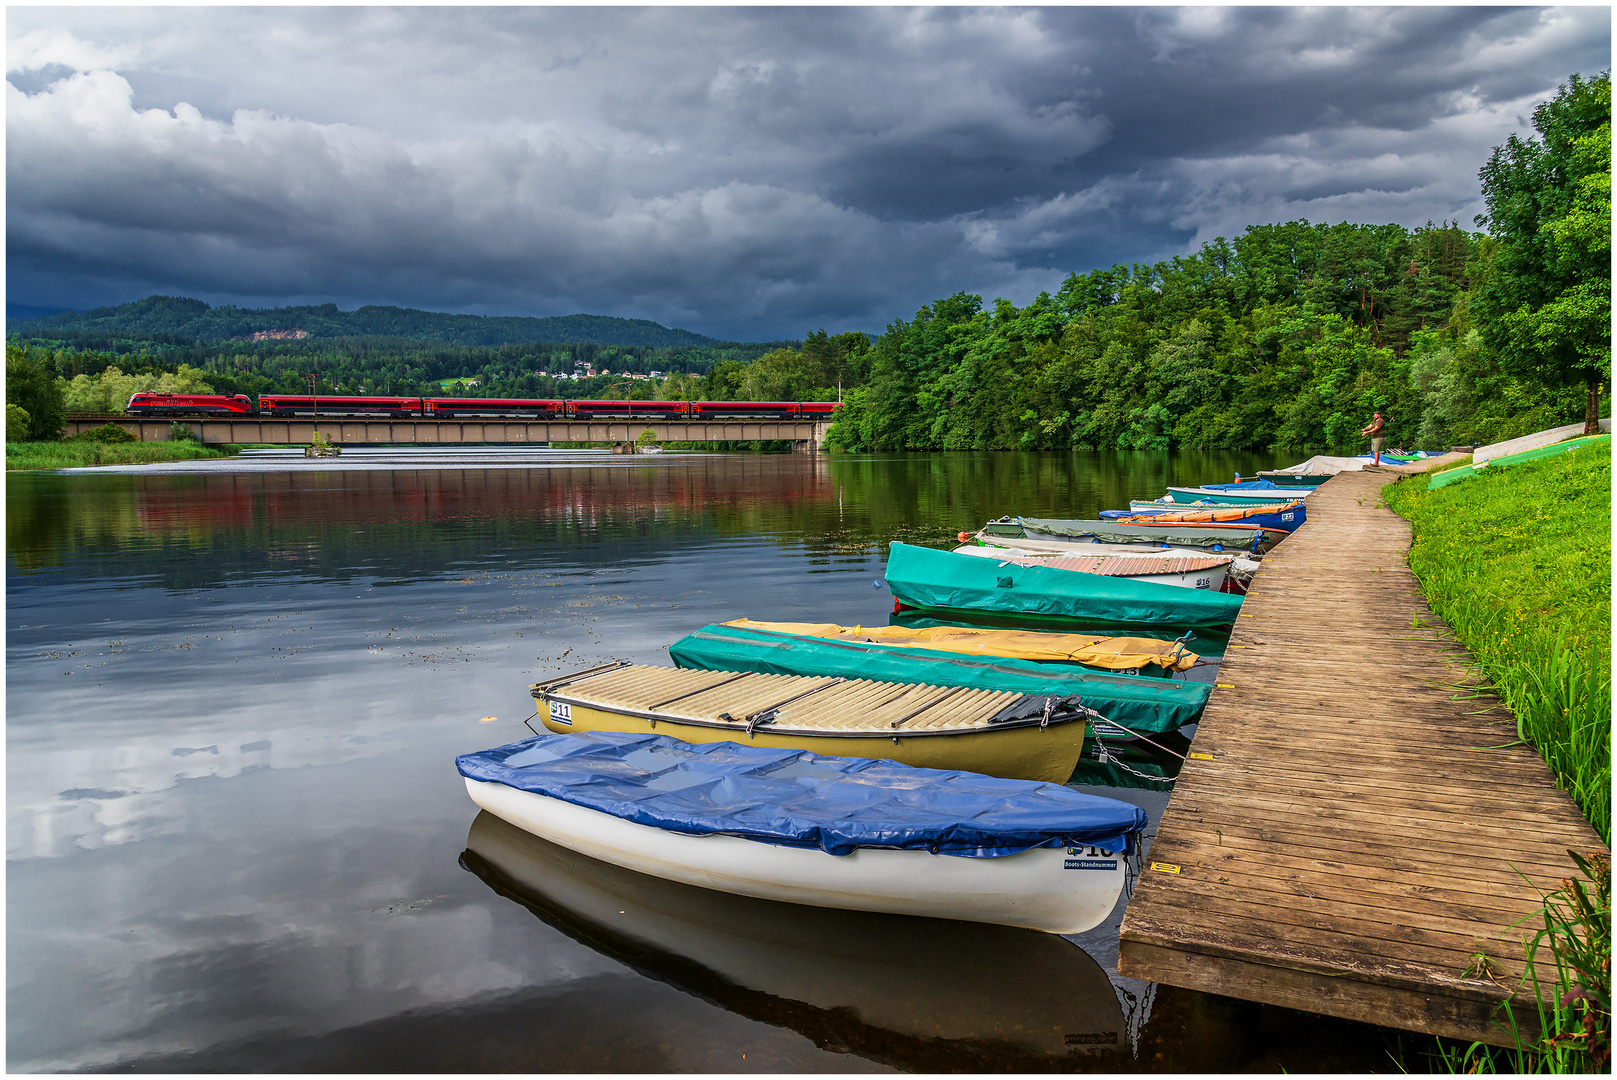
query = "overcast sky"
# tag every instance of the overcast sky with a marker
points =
(748, 173)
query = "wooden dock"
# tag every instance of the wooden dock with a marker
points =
(1355, 835)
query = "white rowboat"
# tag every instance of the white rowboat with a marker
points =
(1060, 887)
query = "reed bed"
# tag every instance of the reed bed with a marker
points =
(1518, 563)
(76, 454)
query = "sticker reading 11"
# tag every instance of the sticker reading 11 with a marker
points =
(561, 713)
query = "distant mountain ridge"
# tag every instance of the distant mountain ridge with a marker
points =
(186, 318)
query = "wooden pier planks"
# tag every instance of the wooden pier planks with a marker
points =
(1355, 837)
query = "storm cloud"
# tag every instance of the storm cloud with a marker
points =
(745, 173)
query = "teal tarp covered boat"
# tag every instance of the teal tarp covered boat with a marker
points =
(943, 581)
(1235, 536)
(1139, 702)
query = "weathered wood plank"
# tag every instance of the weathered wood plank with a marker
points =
(1356, 836)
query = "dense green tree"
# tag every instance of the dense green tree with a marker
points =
(31, 385)
(1545, 301)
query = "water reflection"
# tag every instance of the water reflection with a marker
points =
(396, 523)
(233, 706)
(922, 994)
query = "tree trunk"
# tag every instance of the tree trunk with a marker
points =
(1591, 411)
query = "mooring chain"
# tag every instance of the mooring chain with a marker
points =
(1111, 758)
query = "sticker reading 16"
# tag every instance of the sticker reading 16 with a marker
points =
(561, 712)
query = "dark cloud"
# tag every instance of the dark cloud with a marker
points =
(748, 173)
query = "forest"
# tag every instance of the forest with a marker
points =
(1289, 334)
(183, 318)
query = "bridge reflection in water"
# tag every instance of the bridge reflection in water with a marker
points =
(930, 995)
(806, 434)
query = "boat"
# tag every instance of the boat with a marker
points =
(1008, 733)
(1288, 516)
(1051, 650)
(1194, 570)
(854, 833)
(1137, 702)
(1166, 505)
(1238, 569)
(1464, 472)
(921, 995)
(1210, 642)
(928, 579)
(1282, 479)
(1217, 496)
(1212, 536)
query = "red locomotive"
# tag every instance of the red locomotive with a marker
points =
(149, 404)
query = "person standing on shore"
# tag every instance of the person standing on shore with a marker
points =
(1374, 429)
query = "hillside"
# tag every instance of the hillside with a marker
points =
(178, 317)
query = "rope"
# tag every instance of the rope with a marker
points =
(1093, 716)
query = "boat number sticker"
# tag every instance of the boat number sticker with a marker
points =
(1204, 583)
(1089, 858)
(561, 712)
(1287, 517)
(1165, 868)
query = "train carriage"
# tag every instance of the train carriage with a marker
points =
(763, 410)
(494, 407)
(628, 410)
(333, 405)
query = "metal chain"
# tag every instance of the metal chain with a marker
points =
(1113, 759)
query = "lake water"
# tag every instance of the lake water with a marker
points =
(236, 839)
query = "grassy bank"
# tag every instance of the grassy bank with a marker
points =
(70, 455)
(1518, 562)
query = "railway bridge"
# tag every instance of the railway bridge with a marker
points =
(804, 435)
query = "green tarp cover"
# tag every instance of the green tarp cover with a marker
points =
(941, 580)
(1110, 532)
(1142, 703)
(1448, 476)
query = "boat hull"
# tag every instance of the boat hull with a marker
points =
(1056, 890)
(1289, 518)
(1219, 497)
(1021, 753)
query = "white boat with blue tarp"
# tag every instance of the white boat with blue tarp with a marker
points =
(857, 833)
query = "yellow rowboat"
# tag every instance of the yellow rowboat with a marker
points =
(1001, 733)
(1113, 653)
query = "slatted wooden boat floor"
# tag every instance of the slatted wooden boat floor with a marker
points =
(1141, 565)
(1356, 834)
(800, 702)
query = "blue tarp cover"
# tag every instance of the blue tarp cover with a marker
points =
(802, 799)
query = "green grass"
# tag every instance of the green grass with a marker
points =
(71, 455)
(1518, 563)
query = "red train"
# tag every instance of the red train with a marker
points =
(288, 405)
